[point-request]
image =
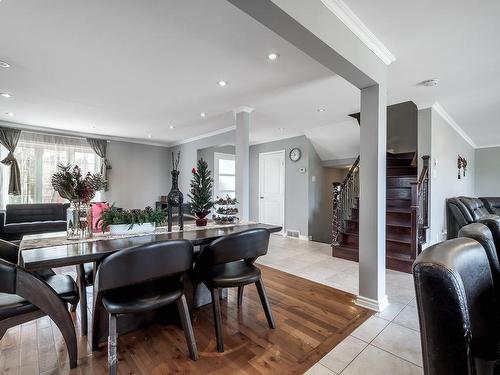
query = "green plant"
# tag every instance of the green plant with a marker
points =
(69, 182)
(116, 216)
(201, 189)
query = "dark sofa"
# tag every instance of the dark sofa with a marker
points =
(20, 219)
(492, 204)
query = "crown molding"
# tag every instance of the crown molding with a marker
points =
(201, 136)
(358, 28)
(445, 115)
(489, 146)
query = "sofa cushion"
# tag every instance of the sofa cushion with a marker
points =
(35, 227)
(475, 206)
(23, 213)
(492, 204)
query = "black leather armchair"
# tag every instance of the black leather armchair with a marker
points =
(141, 279)
(492, 204)
(455, 294)
(228, 263)
(461, 211)
(26, 296)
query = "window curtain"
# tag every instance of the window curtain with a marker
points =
(9, 138)
(99, 146)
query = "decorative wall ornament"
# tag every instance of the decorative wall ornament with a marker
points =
(461, 165)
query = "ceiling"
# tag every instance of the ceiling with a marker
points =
(455, 41)
(132, 69)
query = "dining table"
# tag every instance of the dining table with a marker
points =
(52, 250)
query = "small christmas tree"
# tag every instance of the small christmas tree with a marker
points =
(201, 191)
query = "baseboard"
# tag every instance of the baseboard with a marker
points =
(372, 304)
(305, 238)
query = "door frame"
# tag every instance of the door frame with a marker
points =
(282, 153)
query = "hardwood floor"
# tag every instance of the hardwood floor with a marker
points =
(311, 319)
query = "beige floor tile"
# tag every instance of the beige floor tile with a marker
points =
(370, 329)
(319, 369)
(400, 341)
(391, 311)
(343, 354)
(374, 361)
(408, 318)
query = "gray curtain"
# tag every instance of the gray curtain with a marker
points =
(99, 146)
(9, 138)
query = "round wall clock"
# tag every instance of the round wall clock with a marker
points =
(295, 154)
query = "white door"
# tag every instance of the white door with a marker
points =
(272, 188)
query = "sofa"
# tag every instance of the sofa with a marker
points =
(492, 204)
(20, 219)
(461, 211)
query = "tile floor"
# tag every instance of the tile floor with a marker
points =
(387, 343)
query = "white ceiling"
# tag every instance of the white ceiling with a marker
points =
(456, 41)
(132, 68)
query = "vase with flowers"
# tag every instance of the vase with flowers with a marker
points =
(79, 189)
(201, 192)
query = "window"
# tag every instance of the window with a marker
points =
(38, 156)
(224, 175)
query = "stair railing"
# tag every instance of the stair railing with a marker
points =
(420, 208)
(344, 197)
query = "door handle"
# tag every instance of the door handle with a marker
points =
(261, 197)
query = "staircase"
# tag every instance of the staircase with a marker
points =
(405, 223)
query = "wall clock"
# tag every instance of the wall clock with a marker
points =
(295, 154)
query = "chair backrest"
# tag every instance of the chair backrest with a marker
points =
(493, 223)
(22, 213)
(457, 215)
(143, 263)
(455, 295)
(248, 244)
(482, 234)
(9, 251)
(475, 206)
(7, 277)
(492, 204)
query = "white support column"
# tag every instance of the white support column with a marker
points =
(242, 115)
(372, 198)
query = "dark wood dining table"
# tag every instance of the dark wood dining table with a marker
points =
(75, 254)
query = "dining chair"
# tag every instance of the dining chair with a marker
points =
(25, 296)
(228, 263)
(140, 279)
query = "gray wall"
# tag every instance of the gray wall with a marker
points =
(296, 184)
(139, 174)
(488, 172)
(445, 144)
(402, 127)
(189, 155)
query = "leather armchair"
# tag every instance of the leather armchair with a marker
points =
(492, 204)
(461, 211)
(455, 294)
(26, 296)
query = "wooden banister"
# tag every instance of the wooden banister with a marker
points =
(420, 208)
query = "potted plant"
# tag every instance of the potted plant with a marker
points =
(201, 192)
(122, 221)
(79, 189)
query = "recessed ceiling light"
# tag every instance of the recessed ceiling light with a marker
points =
(172, 126)
(222, 83)
(92, 126)
(321, 110)
(150, 135)
(5, 95)
(430, 82)
(10, 114)
(4, 64)
(203, 114)
(273, 56)
(281, 130)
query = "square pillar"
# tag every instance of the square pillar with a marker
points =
(242, 148)
(372, 213)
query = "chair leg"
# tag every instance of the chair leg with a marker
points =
(187, 327)
(83, 299)
(240, 295)
(96, 319)
(112, 356)
(217, 319)
(265, 303)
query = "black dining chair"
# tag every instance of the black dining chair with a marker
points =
(25, 296)
(228, 263)
(140, 279)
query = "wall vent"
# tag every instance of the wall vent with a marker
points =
(293, 233)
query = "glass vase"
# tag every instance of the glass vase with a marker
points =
(78, 221)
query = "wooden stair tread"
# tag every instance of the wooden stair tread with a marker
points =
(388, 239)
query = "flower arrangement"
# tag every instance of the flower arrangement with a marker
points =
(69, 182)
(116, 216)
